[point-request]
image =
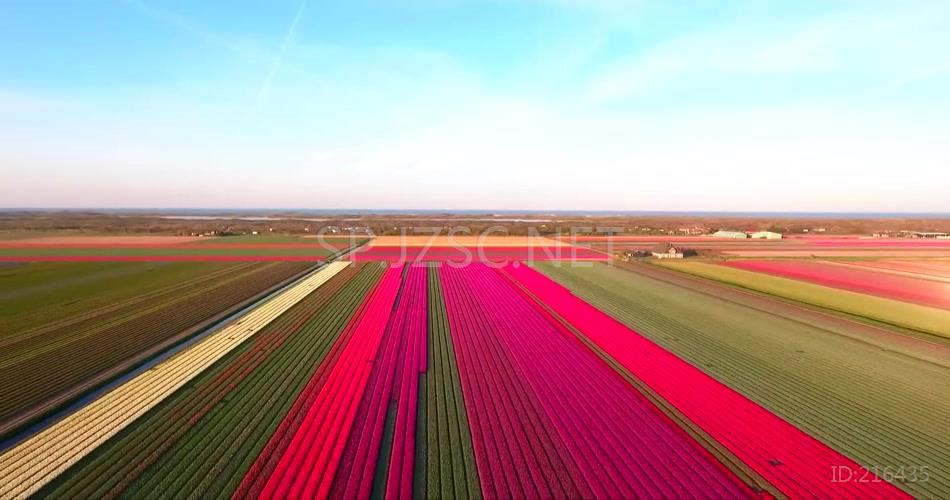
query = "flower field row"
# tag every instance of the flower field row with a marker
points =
(918, 291)
(203, 439)
(386, 418)
(106, 341)
(257, 249)
(880, 243)
(194, 247)
(487, 239)
(792, 461)
(407, 380)
(865, 390)
(938, 270)
(448, 470)
(549, 419)
(913, 316)
(465, 255)
(34, 462)
(302, 457)
(253, 256)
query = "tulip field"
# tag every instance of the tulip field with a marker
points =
(901, 313)
(868, 281)
(409, 374)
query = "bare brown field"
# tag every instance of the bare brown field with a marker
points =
(465, 241)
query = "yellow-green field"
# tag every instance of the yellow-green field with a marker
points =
(916, 317)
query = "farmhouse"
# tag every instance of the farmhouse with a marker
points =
(739, 235)
(766, 235)
(667, 251)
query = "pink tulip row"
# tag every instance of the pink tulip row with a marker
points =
(302, 456)
(393, 388)
(868, 281)
(551, 419)
(476, 254)
(796, 464)
(925, 269)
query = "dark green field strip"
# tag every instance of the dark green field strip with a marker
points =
(38, 296)
(32, 376)
(449, 466)
(27, 280)
(74, 328)
(201, 441)
(79, 389)
(880, 408)
(187, 405)
(53, 319)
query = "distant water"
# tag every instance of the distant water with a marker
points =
(276, 214)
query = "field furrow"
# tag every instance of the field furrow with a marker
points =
(449, 458)
(301, 458)
(36, 461)
(385, 419)
(203, 439)
(792, 461)
(106, 345)
(612, 441)
(878, 407)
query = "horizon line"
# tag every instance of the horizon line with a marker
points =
(471, 211)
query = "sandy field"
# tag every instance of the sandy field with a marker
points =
(465, 241)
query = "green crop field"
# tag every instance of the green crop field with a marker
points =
(34, 294)
(877, 406)
(202, 440)
(916, 317)
(105, 318)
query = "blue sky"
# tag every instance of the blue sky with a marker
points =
(533, 104)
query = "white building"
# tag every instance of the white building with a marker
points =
(739, 235)
(766, 235)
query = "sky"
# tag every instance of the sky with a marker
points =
(826, 105)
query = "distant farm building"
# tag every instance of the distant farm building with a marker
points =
(766, 235)
(667, 251)
(690, 231)
(738, 235)
(928, 234)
